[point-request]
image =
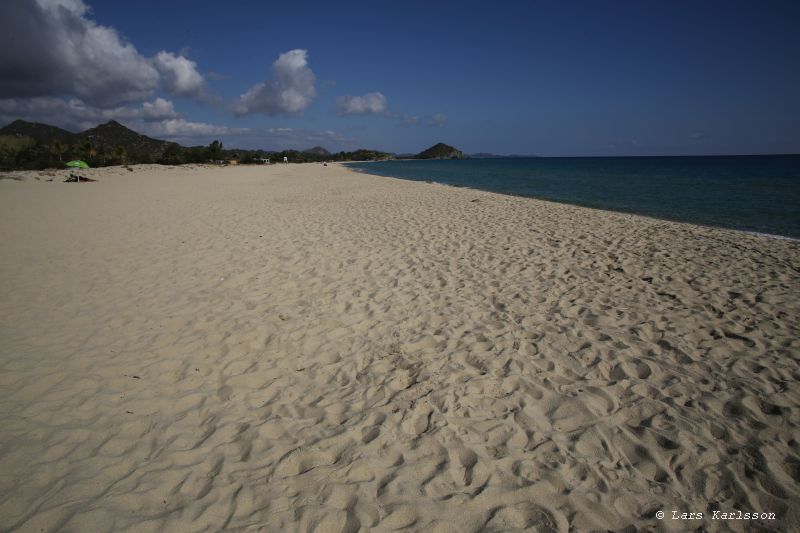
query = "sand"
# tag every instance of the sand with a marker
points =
(306, 348)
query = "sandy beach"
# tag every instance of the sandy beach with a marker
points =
(307, 348)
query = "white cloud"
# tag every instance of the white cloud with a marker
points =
(368, 104)
(50, 48)
(180, 75)
(75, 114)
(182, 128)
(290, 92)
(53, 48)
(158, 109)
(437, 119)
(157, 118)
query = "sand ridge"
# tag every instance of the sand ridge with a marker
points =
(306, 348)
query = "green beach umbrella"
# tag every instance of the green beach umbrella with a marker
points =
(77, 163)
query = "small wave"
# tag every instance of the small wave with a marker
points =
(448, 185)
(770, 235)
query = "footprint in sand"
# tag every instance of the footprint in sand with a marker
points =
(224, 393)
(400, 517)
(372, 430)
(299, 462)
(462, 462)
(338, 521)
(418, 422)
(368, 434)
(522, 516)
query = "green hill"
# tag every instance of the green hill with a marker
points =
(318, 151)
(441, 151)
(112, 134)
(44, 133)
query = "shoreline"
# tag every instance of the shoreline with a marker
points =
(21, 175)
(574, 204)
(300, 347)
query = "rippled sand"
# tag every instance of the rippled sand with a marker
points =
(300, 347)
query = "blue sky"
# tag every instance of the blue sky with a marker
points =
(546, 78)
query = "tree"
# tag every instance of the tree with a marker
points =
(214, 151)
(195, 154)
(120, 154)
(58, 148)
(89, 150)
(172, 155)
(15, 151)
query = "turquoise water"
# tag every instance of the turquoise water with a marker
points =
(752, 193)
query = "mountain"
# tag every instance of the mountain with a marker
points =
(113, 134)
(318, 151)
(29, 145)
(440, 151)
(39, 132)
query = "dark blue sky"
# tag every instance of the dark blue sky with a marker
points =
(548, 78)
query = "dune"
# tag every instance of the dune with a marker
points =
(307, 348)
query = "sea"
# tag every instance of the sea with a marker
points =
(758, 194)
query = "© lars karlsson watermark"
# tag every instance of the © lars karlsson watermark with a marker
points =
(736, 514)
